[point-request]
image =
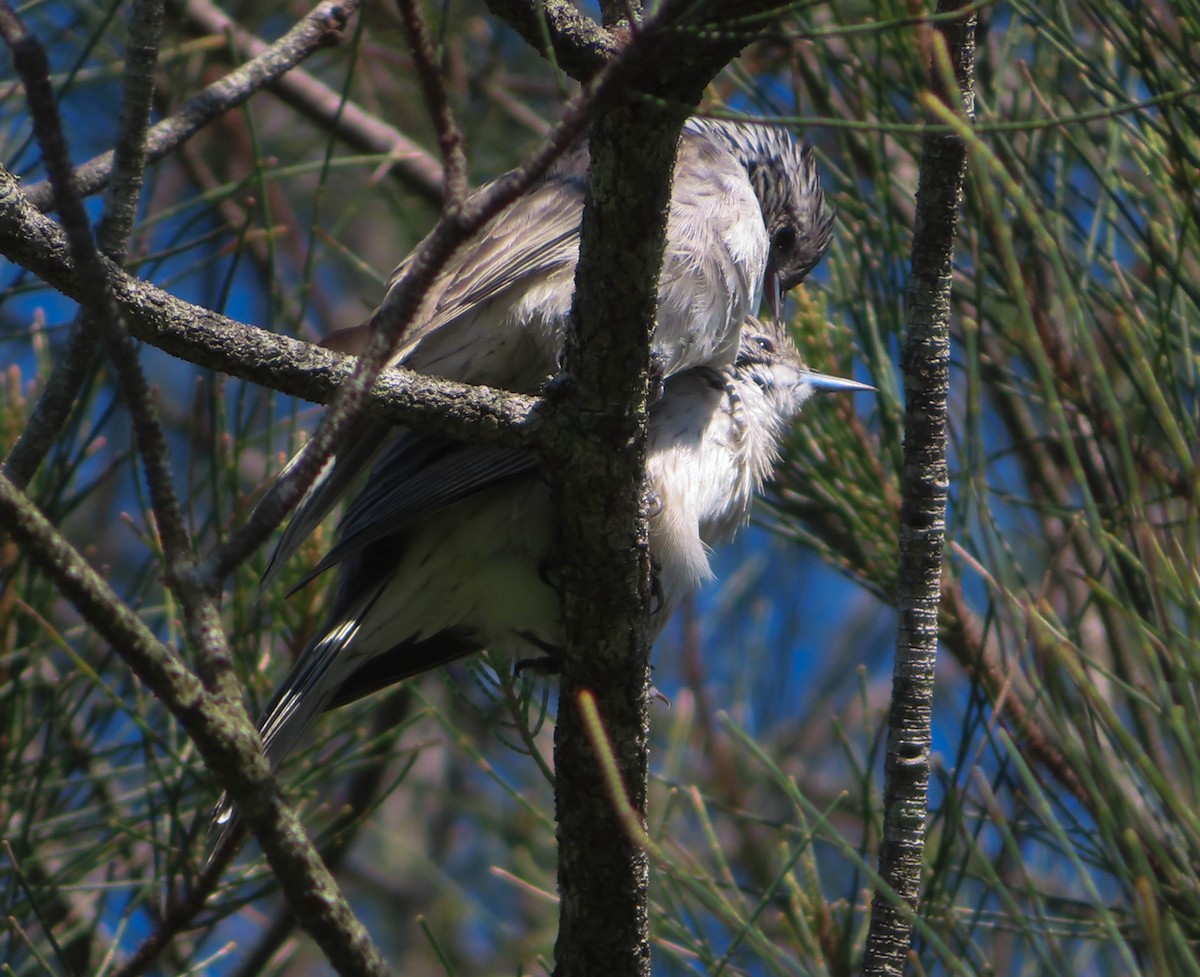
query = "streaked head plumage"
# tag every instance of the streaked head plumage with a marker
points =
(783, 172)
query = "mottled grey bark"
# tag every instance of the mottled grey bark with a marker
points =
(598, 472)
(925, 361)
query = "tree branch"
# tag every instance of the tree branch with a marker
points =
(450, 137)
(598, 472)
(229, 746)
(78, 359)
(925, 360)
(269, 65)
(291, 366)
(557, 30)
(603, 539)
(409, 163)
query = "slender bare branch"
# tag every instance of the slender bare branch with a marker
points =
(409, 163)
(129, 159)
(231, 747)
(270, 63)
(926, 362)
(450, 137)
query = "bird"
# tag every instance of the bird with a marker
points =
(747, 219)
(445, 553)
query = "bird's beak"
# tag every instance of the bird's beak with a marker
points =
(774, 291)
(824, 383)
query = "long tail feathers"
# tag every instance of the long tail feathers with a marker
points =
(306, 692)
(363, 442)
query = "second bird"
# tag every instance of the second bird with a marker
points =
(443, 555)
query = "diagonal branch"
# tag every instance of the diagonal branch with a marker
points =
(408, 162)
(291, 366)
(450, 137)
(232, 747)
(272, 67)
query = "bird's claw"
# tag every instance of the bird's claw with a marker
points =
(542, 665)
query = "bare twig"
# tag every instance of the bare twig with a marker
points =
(450, 137)
(270, 64)
(602, 552)
(180, 914)
(129, 159)
(603, 540)
(409, 163)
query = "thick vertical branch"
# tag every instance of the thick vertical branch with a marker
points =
(925, 361)
(598, 475)
(603, 874)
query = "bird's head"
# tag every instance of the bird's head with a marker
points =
(783, 172)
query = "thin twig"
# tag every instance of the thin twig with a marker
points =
(129, 154)
(73, 364)
(270, 64)
(181, 914)
(450, 137)
(409, 163)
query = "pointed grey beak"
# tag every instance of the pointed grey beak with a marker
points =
(824, 383)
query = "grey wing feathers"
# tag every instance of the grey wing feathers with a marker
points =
(520, 243)
(363, 440)
(535, 238)
(301, 698)
(417, 475)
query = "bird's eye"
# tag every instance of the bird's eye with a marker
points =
(766, 345)
(785, 238)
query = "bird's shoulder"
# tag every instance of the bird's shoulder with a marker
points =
(534, 236)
